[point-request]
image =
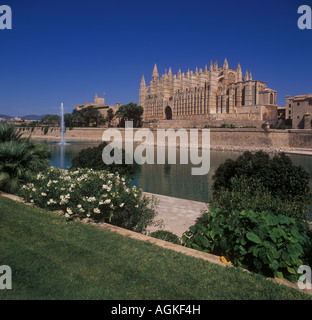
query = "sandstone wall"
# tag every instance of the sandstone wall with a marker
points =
(244, 138)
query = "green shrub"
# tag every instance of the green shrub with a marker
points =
(46, 130)
(91, 158)
(11, 133)
(263, 242)
(228, 125)
(20, 161)
(250, 194)
(166, 236)
(99, 195)
(278, 175)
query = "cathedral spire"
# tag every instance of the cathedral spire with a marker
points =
(143, 84)
(246, 76)
(211, 65)
(239, 73)
(250, 76)
(225, 64)
(155, 74)
(169, 72)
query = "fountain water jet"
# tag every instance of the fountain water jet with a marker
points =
(62, 140)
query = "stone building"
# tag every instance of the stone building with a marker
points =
(216, 93)
(99, 104)
(299, 109)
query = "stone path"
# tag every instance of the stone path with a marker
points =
(177, 214)
(301, 151)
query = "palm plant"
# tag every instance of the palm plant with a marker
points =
(20, 162)
(11, 133)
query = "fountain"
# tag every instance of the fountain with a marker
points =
(62, 140)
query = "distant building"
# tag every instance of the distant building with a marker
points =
(99, 104)
(281, 113)
(15, 121)
(299, 109)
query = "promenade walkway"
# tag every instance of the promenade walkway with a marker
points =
(177, 214)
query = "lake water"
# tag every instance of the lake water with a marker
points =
(168, 179)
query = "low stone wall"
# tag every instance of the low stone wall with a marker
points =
(219, 138)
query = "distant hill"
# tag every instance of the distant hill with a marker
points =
(27, 117)
(5, 116)
(33, 117)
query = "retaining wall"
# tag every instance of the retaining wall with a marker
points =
(240, 138)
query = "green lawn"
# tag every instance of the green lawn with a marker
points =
(52, 258)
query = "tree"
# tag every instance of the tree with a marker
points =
(110, 115)
(68, 120)
(92, 158)
(51, 119)
(130, 112)
(87, 117)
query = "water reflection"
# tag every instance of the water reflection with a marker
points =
(173, 180)
(62, 155)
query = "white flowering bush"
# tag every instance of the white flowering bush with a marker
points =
(99, 195)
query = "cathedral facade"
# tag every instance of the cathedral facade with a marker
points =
(214, 93)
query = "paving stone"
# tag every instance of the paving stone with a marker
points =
(177, 214)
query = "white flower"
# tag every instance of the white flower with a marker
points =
(81, 210)
(33, 189)
(121, 205)
(107, 201)
(79, 206)
(137, 206)
(68, 210)
(43, 194)
(96, 210)
(50, 201)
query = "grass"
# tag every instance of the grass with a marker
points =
(53, 258)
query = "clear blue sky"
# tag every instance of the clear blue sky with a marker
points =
(65, 51)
